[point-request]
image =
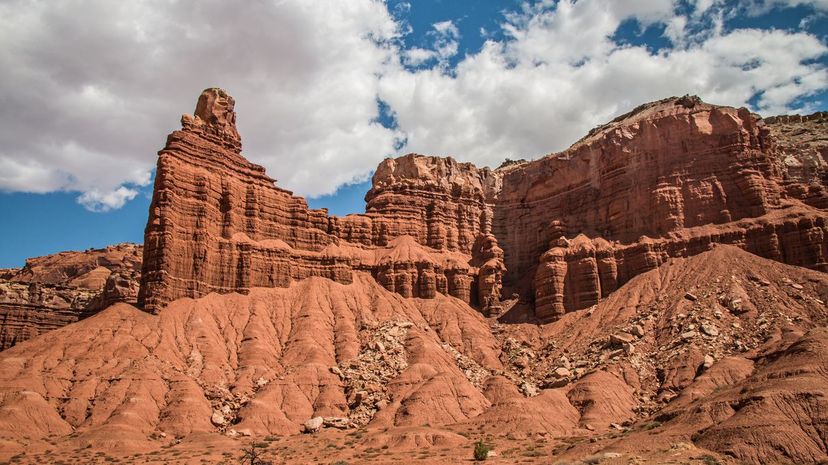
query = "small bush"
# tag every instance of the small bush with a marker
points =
(710, 460)
(651, 425)
(252, 456)
(481, 450)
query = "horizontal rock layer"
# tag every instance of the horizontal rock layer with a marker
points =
(55, 290)
(219, 224)
(670, 165)
(576, 274)
(665, 171)
(666, 180)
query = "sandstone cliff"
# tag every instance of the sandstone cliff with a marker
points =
(668, 179)
(439, 202)
(55, 290)
(800, 149)
(218, 223)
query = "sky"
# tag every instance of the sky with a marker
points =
(326, 89)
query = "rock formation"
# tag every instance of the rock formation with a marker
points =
(218, 224)
(800, 151)
(666, 303)
(740, 364)
(55, 290)
(442, 204)
(668, 179)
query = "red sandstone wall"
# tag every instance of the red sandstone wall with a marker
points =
(669, 179)
(682, 172)
(218, 223)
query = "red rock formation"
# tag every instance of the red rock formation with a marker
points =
(800, 151)
(218, 224)
(126, 382)
(488, 257)
(686, 336)
(680, 171)
(439, 202)
(55, 290)
(575, 274)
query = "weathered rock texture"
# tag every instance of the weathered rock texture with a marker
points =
(669, 179)
(750, 381)
(219, 224)
(442, 204)
(54, 290)
(662, 223)
(800, 148)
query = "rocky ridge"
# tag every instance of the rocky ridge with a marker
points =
(55, 290)
(668, 179)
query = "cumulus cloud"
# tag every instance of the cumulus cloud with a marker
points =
(97, 201)
(91, 87)
(763, 6)
(560, 73)
(445, 36)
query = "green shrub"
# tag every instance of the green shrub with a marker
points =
(481, 450)
(651, 425)
(710, 460)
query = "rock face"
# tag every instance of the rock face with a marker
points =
(219, 224)
(55, 290)
(442, 204)
(801, 150)
(669, 179)
(674, 228)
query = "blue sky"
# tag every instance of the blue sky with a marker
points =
(86, 180)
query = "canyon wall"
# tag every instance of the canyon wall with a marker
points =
(670, 179)
(439, 202)
(218, 223)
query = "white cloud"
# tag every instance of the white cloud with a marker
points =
(445, 36)
(417, 56)
(91, 87)
(560, 74)
(763, 6)
(97, 201)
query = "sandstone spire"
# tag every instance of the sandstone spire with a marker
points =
(214, 114)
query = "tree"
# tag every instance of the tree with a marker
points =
(481, 450)
(254, 456)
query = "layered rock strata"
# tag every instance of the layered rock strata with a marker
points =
(55, 290)
(666, 180)
(800, 148)
(218, 223)
(439, 202)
